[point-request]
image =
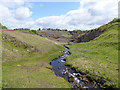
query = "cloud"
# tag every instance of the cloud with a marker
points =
(12, 3)
(22, 13)
(15, 15)
(91, 14)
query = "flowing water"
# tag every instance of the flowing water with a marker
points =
(76, 79)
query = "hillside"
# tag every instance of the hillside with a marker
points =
(26, 56)
(25, 61)
(88, 35)
(2, 27)
(98, 58)
(59, 36)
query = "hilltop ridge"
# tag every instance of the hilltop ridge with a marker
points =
(88, 35)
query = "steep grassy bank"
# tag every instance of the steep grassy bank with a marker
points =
(26, 59)
(98, 58)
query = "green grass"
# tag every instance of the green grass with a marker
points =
(98, 58)
(33, 55)
(2, 27)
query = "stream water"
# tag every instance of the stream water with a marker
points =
(76, 79)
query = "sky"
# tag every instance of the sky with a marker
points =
(83, 14)
(44, 9)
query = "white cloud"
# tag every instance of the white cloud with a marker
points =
(91, 14)
(14, 14)
(12, 3)
(22, 13)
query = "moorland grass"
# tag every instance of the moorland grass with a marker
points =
(98, 58)
(24, 67)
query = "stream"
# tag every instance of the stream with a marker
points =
(76, 79)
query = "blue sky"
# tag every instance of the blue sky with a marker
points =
(43, 9)
(83, 15)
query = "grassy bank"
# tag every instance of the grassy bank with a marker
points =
(26, 59)
(98, 58)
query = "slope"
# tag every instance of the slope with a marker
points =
(26, 59)
(98, 58)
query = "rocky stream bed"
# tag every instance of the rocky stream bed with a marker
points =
(76, 79)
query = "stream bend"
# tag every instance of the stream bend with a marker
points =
(75, 78)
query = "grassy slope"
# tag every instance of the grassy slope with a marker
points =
(34, 55)
(99, 57)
